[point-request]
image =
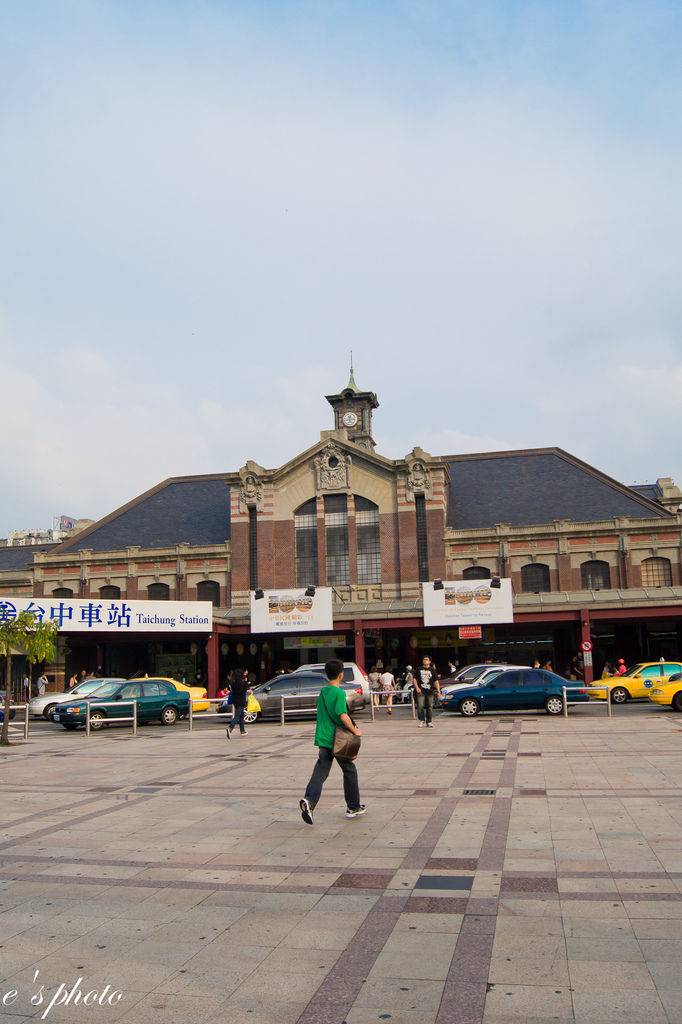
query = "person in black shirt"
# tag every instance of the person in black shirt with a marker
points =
(426, 685)
(240, 686)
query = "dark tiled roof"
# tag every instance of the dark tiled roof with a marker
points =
(21, 557)
(530, 488)
(192, 511)
(650, 491)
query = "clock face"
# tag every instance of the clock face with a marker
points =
(349, 419)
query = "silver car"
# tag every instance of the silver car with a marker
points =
(300, 691)
(352, 673)
(43, 706)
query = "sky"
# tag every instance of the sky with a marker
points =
(208, 203)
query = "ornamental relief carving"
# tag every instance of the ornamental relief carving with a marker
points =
(417, 481)
(250, 489)
(332, 470)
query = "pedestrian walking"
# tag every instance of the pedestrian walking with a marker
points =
(426, 684)
(332, 710)
(240, 686)
(388, 686)
(41, 683)
(375, 686)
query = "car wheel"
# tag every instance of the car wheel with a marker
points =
(70, 726)
(554, 705)
(97, 719)
(250, 716)
(619, 695)
(677, 702)
(47, 711)
(169, 716)
(469, 707)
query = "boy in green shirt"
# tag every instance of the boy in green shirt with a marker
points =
(332, 709)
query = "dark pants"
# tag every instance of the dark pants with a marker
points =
(238, 718)
(425, 706)
(351, 790)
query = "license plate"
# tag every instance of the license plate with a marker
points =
(56, 718)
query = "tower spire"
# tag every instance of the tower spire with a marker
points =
(351, 379)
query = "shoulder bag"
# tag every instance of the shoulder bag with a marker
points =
(346, 743)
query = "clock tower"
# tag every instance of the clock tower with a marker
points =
(353, 411)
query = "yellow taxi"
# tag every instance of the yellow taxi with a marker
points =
(195, 692)
(669, 693)
(637, 682)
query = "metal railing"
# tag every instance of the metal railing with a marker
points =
(208, 714)
(391, 693)
(112, 704)
(18, 707)
(591, 686)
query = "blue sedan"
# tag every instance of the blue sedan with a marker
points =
(515, 690)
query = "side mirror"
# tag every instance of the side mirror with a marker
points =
(267, 689)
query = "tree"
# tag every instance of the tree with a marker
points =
(36, 639)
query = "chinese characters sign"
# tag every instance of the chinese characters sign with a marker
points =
(467, 601)
(86, 615)
(290, 611)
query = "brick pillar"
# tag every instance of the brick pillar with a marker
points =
(359, 643)
(321, 544)
(213, 664)
(352, 542)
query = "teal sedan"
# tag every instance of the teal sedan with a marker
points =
(156, 701)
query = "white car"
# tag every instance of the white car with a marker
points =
(475, 675)
(352, 673)
(43, 706)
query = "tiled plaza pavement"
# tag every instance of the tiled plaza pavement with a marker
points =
(509, 869)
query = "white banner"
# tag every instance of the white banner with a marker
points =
(290, 611)
(88, 615)
(467, 602)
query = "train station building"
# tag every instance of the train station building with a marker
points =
(590, 560)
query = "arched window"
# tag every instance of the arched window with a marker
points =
(158, 592)
(476, 572)
(305, 538)
(595, 575)
(209, 590)
(656, 572)
(535, 578)
(62, 592)
(336, 539)
(110, 593)
(368, 543)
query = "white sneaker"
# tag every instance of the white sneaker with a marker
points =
(421, 725)
(306, 811)
(357, 812)
(429, 725)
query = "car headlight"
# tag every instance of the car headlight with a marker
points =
(659, 693)
(73, 711)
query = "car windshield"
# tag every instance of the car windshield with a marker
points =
(634, 671)
(105, 690)
(470, 674)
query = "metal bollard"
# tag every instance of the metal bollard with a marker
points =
(414, 707)
(281, 711)
(134, 718)
(87, 718)
(25, 721)
(191, 709)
